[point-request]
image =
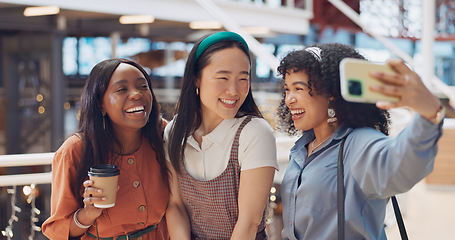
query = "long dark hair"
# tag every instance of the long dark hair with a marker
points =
(99, 141)
(188, 107)
(324, 78)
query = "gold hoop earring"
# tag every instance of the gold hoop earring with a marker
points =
(197, 91)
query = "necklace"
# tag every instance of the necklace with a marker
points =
(312, 143)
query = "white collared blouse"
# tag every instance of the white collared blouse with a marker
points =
(257, 148)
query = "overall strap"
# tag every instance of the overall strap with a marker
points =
(235, 144)
(212, 205)
(261, 234)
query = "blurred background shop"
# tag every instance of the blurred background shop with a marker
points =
(47, 53)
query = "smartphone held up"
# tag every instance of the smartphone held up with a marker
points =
(355, 81)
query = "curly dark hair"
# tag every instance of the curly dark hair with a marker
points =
(324, 78)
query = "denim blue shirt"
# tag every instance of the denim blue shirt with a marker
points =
(375, 168)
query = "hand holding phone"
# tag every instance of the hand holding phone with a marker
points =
(355, 81)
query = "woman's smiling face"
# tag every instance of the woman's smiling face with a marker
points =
(224, 84)
(308, 111)
(128, 99)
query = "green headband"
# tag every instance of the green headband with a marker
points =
(218, 37)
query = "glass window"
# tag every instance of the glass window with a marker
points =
(133, 46)
(262, 68)
(92, 50)
(81, 54)
(70, 56)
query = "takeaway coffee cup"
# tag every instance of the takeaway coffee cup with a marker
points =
(105, 177)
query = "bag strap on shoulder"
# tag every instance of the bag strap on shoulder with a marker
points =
(341, 200)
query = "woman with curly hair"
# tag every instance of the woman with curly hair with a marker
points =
(376, 166)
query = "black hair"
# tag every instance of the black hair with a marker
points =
(188, 107)
(99, 141)
(324, 78)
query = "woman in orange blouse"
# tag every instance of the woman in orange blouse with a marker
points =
(119, 124)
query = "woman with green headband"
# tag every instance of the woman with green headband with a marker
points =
(222, 151)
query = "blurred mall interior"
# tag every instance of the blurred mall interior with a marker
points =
(45, 60)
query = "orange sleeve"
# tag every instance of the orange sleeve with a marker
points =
(63, 201)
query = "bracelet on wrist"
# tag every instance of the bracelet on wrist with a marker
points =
(77, 221)
(440, 114)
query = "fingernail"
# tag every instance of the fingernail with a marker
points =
(99, 190)
(103, 198)
(374, 73)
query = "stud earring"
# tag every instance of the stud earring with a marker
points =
(331, 114)
(197, 91)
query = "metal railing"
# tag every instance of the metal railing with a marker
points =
(284, 143)
(17, 160)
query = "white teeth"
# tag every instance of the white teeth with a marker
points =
(135, 109)
(298, 111)
(228, 101)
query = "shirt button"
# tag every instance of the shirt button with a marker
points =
(130, 161)
(290, 223)
(141, 208)
(136, 184)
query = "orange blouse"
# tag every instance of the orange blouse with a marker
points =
(141, 199)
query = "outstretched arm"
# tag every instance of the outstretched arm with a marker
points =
(385, 167)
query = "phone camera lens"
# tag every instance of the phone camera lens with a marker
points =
(355, 87)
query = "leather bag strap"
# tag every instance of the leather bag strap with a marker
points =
(341, 200)
(399, 218)
(340, 191)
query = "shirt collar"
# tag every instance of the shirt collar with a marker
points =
(218, 135)
(308, 136)
(342, 132)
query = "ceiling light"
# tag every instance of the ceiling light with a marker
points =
(40, 11)
(205, 25)
(136, 19)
